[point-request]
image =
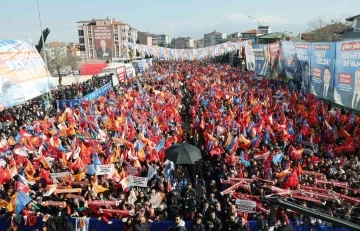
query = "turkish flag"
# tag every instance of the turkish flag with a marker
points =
(217, 150)
(4, 175)
(22, 187)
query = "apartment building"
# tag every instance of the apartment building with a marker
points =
(214, 38)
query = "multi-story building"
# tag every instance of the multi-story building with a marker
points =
(101, 40)
(199, 43)
(145, 38)
(264, 29)
(163, 40)
(184, 43)
(251, 34)
(214, 38)
(234, 37)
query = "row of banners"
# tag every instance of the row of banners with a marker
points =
(328, 70)
(23, 75)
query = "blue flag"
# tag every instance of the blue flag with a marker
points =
(21, 201)
(242, 158)
(267, 137)
(160, 145)
(278, 158)
(90, 169)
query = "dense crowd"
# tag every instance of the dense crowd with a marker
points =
(257, 137)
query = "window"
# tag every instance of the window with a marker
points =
(123, 31)
(357, 25)
(91, 53)
(82, 48)
(90, 41)
(104, 23)
(89, 31)
(81, 40)
(116, 31)
(123, 39)
(81, 32)
(116, 37)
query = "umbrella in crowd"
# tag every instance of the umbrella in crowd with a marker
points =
(183, 153)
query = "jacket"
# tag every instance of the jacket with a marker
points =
(197, 227)
(180, 226)
(142, 227)
(285, 228)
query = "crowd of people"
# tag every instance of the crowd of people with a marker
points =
(258, 138)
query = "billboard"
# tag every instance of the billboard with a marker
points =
(121, 74)
(104, 42)
(23, 75)
(303, 51)
(262, 59)
(347, 81)
(276, 59)
(322, 70)
(250, 57)
(291, 62)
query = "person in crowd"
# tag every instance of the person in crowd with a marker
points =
(142, 225)
(198, 225)
(283, 225)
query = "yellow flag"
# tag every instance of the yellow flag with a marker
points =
(99, 189)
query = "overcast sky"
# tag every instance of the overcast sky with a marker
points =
(19, 18)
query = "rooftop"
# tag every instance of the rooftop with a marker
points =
(215, 32)
(94, 20)
(264, 26)
(251, 32)
(352, 18)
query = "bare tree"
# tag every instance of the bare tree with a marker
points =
(60, 60)
(324, 29)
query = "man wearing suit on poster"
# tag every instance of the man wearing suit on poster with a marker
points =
(103, 52)
(355, 101)
(328, 89)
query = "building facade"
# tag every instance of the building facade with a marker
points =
(163, 40)
(100, 40)
(234, 37)
(214, 38)
(199, 43)
(353, 31)
(145, 38)
(264, 29)
(251, 34)
(184, 43)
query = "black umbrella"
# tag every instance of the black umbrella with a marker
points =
(181, 153)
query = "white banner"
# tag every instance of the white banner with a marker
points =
(250, 57)
(138, 181)
(245, 206)
(132, 171)
(59, 174)
(104, 169)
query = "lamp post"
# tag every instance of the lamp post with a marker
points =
(257, 39)
(44, 47)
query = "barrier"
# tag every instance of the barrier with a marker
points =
(93, 95)
(158, 226)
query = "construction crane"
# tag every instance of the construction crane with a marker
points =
(310, 212)
(40, 45)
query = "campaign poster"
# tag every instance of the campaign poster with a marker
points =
(121, 74)
(23, 75)
(291, 62)
(322, 70)
(262, 59)
(276, 59)
(303, 51)
(347, 81)
(104, 42)
(250, 57)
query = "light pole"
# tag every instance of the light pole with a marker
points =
(257, 39)
(44, 47)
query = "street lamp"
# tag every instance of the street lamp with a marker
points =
(44, 47)
(257, 39)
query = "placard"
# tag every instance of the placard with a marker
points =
(132, 171)
(138, 181)
(59, 174)
(245, 206)
(104, 169)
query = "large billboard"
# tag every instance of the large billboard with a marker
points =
(262, 59)
(276, 59)
(347, 81)
(322, 70)
(291, 61)
(303, 51)
(104, 41)
(23, 75)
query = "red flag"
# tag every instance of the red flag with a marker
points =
(22, 187)
(217, 150)
(5, 175)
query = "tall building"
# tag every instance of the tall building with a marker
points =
(251, 34)
(102, 40)
(264, 29)
(163, 40)
(214, 38)
(199, 43)
(184, 43)
(145, 38)
(234, 37)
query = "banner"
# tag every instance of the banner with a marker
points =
(250, 57)
(262, 59)
(59, 174)
(291, 62)
(347, 81)
(322, 70)
(138, 181)
(103, 40)
(303, 51)
(98, 92)
(276, 59)
(104, 169)
(68, 103)
(245, 206)
(114, 80)
(129, 70)
(121, 74)
(132, 171)
(23, 75)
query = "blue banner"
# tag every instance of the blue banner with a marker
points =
(262, 59)
(95, 224)
(322, 70)
(291, 62)
(93, 95)
(303, 51)
(347, 81)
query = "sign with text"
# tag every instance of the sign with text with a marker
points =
(262, 59)
(276, 59)
(104, 169)
(138, 181)
(121, 74)
(132, 171)
(59, 174)
(322, 70)
(250, 57)
(23, 75)
(245, 206)
(303, 51)
(104, 41)
(347, 76)
(291, 62)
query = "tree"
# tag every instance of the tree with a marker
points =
(326, 30)
(60, 60)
